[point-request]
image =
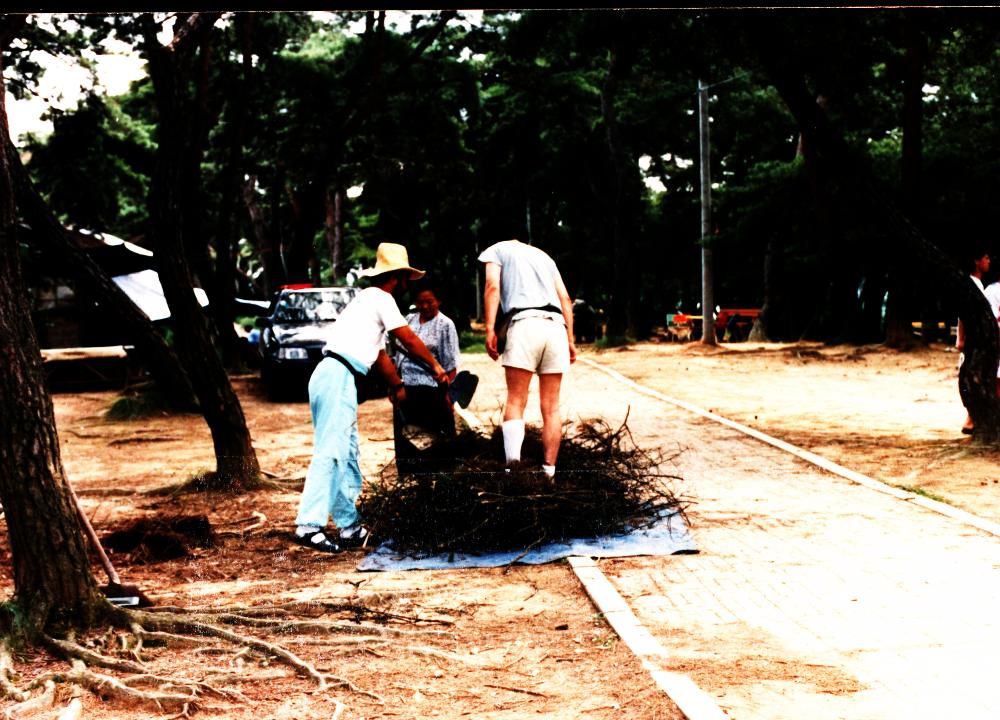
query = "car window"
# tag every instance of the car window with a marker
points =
(321, 306)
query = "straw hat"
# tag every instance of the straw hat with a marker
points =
(389, 258)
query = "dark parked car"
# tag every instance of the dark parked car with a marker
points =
(292, 337)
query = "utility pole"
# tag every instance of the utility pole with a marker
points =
(707, 292)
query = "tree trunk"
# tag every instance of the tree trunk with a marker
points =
(196, 239)
(273, 274)
(622, 318)
(977, 377)
(225, 246)
(154, 352)
(299, 252)
(277, 226)
(334, 231)
(898, 332)
(760, 331)
(237, 468)
(824, 322)
(54, 588)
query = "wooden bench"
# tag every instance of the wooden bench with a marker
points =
(731, 324)
(80, 368)
(680, 327)
(734, 324)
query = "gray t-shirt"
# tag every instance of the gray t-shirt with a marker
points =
(528, 278)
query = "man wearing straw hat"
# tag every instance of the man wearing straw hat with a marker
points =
(355, 343)
(525, 286)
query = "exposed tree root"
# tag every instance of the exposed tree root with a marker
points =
(299, 608)
(169, 639)
(205, 483)
(7, 686)
(31, 704)
(106, 686)
(135, 632)
(211, 481)
(229, 676)
(257, 520)
(180, 624)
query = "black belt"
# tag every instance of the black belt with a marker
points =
(358, 376)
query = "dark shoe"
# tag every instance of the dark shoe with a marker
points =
(513, 466)
(317, 541)
(354, 536)
(968, 430)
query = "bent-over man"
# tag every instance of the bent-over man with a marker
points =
(524, 284)
(356, 343)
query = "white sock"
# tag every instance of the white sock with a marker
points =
(513, 437)
(549, 470)
(355, 530)
(307, 530)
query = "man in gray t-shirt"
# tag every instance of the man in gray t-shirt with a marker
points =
(523, 280)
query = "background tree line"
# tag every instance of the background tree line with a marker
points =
(533, 124)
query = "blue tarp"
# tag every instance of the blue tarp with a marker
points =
(669, 536)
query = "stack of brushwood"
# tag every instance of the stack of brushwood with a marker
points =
(462, 499)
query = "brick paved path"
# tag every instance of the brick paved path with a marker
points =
(812, 597)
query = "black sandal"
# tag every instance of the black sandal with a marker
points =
(359, 536)
(317, 541)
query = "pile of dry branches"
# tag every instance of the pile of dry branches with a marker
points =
(463, 499)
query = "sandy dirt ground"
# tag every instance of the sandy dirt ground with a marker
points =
(516, 642)
(894, 416)
(504, 643)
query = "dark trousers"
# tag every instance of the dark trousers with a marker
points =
(427, 408)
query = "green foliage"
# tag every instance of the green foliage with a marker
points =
(94, 168)
(471, 341)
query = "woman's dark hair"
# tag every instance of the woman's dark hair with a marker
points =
(975, 251)
(425, 285)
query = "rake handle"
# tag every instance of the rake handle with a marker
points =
(95, 541)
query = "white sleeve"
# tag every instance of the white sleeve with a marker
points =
(490, 255)
(389, 314)
(992, 294)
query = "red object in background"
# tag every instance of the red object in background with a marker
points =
(298, 286)
(745, 314)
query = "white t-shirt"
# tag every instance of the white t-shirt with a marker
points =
(992, 293)
(528, 278)
(361, 329)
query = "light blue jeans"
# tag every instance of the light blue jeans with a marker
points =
(333, 481)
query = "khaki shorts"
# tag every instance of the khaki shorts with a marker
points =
(537, 344)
